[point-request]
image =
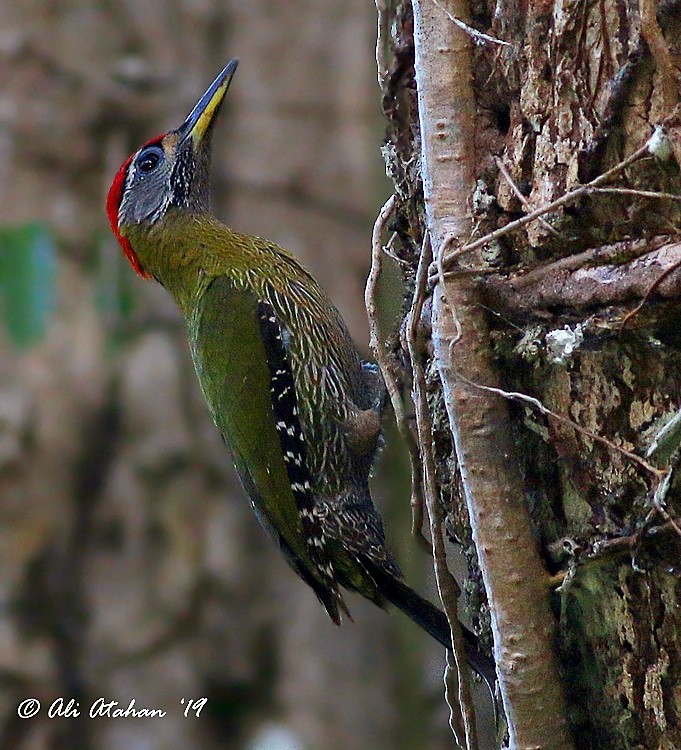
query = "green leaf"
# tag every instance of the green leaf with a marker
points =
(114, 292)
(27, 282)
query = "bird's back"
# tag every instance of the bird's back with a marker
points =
(296, 405)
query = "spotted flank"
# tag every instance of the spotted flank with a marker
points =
(292, 440)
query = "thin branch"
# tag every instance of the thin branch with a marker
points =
(638, 193)
(505, 173)
(607, 275)
(543, 210)
(668, 518)
(648, 293)
(645, 534)
(516, 396)
(370, 301)
(457, 682)
(478, 36)
(382, 17)
(385, 366)
(388, 250)
(660, 500)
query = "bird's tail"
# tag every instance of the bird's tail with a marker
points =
(433, 621)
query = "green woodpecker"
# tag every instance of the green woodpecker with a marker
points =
(297, 407)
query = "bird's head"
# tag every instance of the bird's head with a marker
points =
(169, 170)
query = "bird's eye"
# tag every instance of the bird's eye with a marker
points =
(149, 159)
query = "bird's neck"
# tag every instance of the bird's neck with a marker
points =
(182, 251)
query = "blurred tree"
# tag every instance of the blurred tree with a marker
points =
(130, 563)
(578, 309)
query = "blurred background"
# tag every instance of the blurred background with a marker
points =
(131, 566)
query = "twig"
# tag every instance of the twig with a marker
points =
(479, 36)
(631, 542)
(417, 501)
(659, 499)
(637, 193)
(515, 396)
(543, 210)
(607, 275)
(381, 65)
(456, 682)
(388, 250)
(671, 521)
(370, 302)
(505, 173)
(649, 291)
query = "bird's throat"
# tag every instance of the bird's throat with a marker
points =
(177, 252)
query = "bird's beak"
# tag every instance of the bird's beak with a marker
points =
(203, 115)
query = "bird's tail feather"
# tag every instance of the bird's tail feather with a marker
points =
(433, 621)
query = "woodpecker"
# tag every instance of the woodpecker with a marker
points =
(298, 409)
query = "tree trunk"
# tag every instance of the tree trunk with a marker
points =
(546, 313)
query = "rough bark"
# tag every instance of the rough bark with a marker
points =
(575, 90)
(515, 580)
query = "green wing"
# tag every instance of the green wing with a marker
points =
(234, 358)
